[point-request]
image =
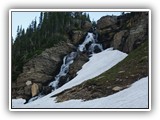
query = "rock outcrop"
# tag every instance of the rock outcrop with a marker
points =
(77, 36)
(118, 39)
(77, 65)
(125, 32)
(106, 21)
(86, 25)
(39, 71)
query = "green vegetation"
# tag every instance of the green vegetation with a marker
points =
(132, 68)
(53, 28)
(135, 65)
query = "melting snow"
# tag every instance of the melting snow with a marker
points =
(134, 97)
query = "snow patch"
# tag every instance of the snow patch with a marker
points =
(134, 97)
(96, 65)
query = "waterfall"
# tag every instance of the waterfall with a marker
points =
(94, 47)
(90, 45)
(67, 60)
(90, 38)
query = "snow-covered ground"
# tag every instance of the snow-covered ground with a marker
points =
(134, 97)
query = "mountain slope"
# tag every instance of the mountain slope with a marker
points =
(97, 64)
(101, 76)
(121, 76)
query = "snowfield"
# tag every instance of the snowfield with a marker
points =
(134, 97)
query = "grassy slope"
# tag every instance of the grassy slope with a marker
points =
(132, 68)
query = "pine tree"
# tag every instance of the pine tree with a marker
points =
(53, 27)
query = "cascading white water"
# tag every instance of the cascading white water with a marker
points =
(69, 59)
(90, 40)
(92, 47)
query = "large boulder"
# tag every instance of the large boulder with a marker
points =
(136, 37)
(77, 64)
(35, 89)
(119, 39)
(86, 25)
(46, 90)
(77, 36)
(106, 21)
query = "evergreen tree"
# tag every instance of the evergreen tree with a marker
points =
(52, 28)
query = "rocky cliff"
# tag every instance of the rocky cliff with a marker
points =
(39, 71)
(125, 32)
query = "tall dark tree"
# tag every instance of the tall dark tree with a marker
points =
(53, 27)
(40, 20)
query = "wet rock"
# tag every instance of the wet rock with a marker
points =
(46, 90)
(77, 65)
(97, 49)
(27, 90)
(63, 80)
